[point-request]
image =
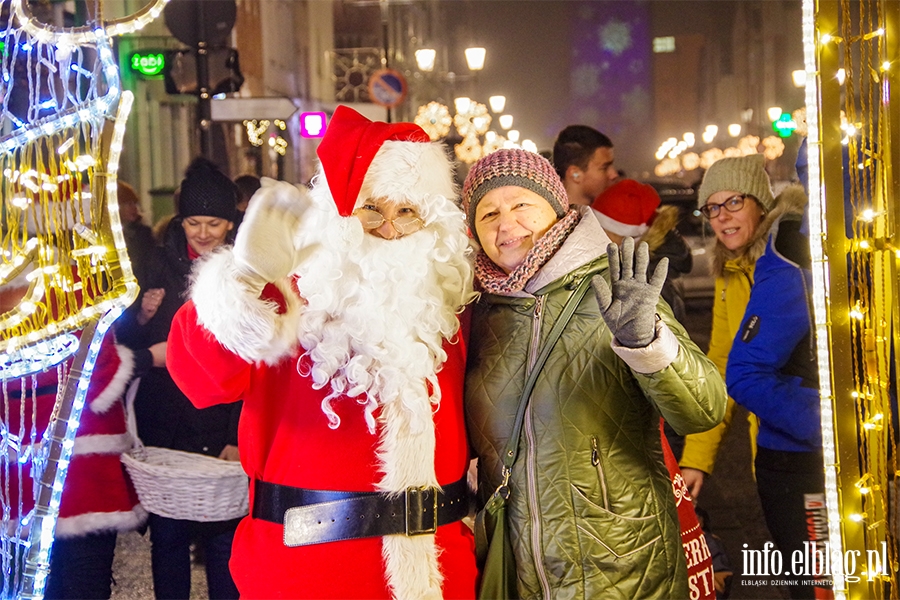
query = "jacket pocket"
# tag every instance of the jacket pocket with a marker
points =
(607, 537)
(598, 467)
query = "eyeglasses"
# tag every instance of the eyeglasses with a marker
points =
(404, 224)
(733, 204)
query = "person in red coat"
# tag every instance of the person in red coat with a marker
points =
(334, 318)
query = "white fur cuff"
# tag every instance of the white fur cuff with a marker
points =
(654, 357)
(241, 321)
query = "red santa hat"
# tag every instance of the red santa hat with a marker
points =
(627, 207)
(372, 159)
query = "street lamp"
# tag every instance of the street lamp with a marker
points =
(475, 58)
(425, 59)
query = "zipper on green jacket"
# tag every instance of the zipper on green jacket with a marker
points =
(531, 458)
(595, 460)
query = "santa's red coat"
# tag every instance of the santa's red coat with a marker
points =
(284, 438)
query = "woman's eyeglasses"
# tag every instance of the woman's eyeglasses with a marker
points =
(733, 204)
(404, 224)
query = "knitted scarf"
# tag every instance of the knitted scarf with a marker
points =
(495, 281)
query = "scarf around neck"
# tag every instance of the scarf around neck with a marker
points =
(495, 281)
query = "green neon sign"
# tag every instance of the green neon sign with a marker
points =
(148, 64)
(785, 125)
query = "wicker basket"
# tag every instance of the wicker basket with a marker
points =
(184, 485)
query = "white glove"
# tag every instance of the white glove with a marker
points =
(264, 250)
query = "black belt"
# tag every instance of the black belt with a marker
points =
(318, 516)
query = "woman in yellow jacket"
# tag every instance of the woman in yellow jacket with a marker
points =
(736, 196)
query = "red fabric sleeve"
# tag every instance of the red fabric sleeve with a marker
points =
(206, 372)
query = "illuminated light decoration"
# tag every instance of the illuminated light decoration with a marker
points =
(434, 118)
(708, 157)
(256, 130)
(690, 161)
(469, 149)
(474, 120)
(59, 152)
(506, 121)
(492, 143)
(148, 65)
(856, 387)
(773, 147)
(749, 144)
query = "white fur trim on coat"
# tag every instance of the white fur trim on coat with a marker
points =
(241, 321)
(654, 357)
(102, 444)
(96, 522)
(116, 387)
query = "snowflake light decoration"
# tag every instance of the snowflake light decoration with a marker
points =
(615, 37)
(774, 147)
(469, 149)
(434, 118)
(708, 157)
(475, 120)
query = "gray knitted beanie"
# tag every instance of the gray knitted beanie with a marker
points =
(742, 174)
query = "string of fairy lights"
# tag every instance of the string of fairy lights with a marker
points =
(854, 254)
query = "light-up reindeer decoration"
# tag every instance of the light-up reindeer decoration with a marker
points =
(61, 132)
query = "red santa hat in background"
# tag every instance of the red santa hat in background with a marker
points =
(364, 159)
(627, 207)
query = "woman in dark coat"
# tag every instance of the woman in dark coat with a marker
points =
(165, 417)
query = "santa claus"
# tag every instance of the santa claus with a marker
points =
(334, 318)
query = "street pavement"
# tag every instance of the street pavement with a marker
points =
(729, 496)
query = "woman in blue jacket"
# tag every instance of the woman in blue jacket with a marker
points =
(772, 371)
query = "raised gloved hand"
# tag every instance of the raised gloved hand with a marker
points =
(630, 308)
(264, 250)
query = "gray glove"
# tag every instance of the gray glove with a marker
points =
(630, 308)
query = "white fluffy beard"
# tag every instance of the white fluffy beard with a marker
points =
(377, 314)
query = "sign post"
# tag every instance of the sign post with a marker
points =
(240, 109)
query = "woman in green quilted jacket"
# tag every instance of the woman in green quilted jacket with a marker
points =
(591, 511)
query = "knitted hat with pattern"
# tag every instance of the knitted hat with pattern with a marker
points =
(513, 167)
(742, 174)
